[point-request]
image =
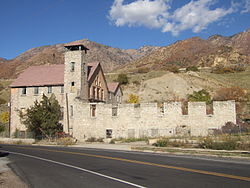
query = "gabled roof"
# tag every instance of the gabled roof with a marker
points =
(40, 76)
(47, 75)
(92, 67)
(113, 86)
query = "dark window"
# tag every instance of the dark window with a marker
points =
(108, 133)
(72, 86)
(49, 89)
(62, 89)
(36, 90)
(72, 66)
(114, 111)
(24, 91)
(93, 110)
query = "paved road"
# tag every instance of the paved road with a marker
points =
(82, 167)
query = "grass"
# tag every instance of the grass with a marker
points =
(129, 140)
(194, 152)
(136, 76)
(239, 79)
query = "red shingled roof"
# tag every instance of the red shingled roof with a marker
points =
(40, 76)
(46, 75)
(112, 86)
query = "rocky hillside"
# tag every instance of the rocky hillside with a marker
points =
(216, 50)
(110, 58)
(2, 59)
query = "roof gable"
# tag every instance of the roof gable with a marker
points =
(113, 86)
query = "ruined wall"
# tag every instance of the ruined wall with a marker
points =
(22, 102)
(147, 120)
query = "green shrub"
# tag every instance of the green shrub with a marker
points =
(163, 142)
(192, 68)
(228, 144)
(201, 95)
(122, 79)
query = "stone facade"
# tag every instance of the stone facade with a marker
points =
(147, 120)
(20, 102)
(100, 120)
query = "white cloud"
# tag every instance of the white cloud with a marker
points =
(195, 15)
(141, 12)
(246, 7)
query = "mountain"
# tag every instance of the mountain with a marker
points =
(2, 59)
(216, 50)
(109, 57)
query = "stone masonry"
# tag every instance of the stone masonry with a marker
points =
(100, 120)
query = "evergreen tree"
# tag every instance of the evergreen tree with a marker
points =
(43, 117)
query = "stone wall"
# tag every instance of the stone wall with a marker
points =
(147, 120)
(22, 102)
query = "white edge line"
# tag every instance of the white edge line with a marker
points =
(78, 168)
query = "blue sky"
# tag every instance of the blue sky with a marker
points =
(125, 24)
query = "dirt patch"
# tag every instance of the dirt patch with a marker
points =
(8, 179)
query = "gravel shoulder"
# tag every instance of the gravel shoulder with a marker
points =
(8, 179)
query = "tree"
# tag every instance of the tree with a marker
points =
(5, 117)
(133, 99)
(122, 79)
(201, 95)
(43, 117)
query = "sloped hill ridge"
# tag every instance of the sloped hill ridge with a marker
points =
(109, 57)
(216, 50)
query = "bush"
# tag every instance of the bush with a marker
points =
(173, 69)
(201, 95)
(143, 70)
(122, 79)
(230, 128)
(133, 99)
(192, 68)
(163, 142)
(228, 144)
(66, 141)
(222, 70)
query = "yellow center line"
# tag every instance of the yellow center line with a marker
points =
(145, 163)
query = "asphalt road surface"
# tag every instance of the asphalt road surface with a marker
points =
(59, 167)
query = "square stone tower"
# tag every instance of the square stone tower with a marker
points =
(75, 71)
(75, 81)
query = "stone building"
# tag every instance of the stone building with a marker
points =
(74, 79)
(92, 107)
